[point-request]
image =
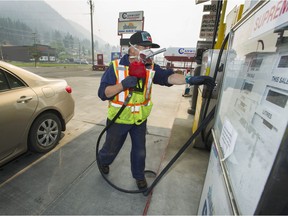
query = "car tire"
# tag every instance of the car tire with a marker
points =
(45, 133)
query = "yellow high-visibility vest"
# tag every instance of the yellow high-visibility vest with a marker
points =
(140, 104)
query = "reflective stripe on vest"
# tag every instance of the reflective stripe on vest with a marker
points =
(134, 108)
(121, 73)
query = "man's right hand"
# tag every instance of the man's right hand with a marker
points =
(202, 80)
(129, 82)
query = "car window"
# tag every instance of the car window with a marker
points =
(8, 81)
(14, 82)
(3, 82)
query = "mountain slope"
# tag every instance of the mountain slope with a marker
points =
(41, 17)
(85, 32)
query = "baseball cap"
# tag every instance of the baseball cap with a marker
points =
(143, 38)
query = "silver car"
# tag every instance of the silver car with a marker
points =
(33, 111)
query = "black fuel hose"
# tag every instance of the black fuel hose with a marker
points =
(211, 90)
(98, 144)
(146, 191)
(217, 21)
(204, 123)
(216, 70)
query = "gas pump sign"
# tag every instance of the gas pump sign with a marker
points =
(273, 14)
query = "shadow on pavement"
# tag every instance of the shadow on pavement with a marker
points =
(68, 180)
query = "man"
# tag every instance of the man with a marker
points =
(120, 77)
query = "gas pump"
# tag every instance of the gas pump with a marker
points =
(247, 171)
(211, 66)
(100, 66)
(209, 59)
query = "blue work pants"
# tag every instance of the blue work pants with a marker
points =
(115, 138)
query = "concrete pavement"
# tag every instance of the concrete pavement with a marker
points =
(66, 181)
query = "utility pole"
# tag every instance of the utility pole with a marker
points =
(34, 49)
(92, 39)
(1, 50)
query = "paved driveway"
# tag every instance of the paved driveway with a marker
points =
(66, 180)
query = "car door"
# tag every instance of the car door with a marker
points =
(17, 105)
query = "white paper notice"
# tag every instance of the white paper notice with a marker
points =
(228, 139)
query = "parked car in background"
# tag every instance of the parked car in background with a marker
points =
(33, 111)
(81, 61)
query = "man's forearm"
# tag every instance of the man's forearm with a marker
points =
(176, 79)
(110, 91)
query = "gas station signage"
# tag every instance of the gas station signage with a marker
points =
(210, 8)
(207, 26)
(129, 27)
(200, 1)
(130, 22)
(275, 13)
(133, 16)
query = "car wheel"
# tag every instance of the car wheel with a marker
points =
(45, 133)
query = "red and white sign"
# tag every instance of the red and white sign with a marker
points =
(273, 14)
(184, 54)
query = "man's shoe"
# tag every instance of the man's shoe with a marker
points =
(142, 184)
(104, 169)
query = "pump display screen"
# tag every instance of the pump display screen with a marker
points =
(247, 86)
(255, 64)
(277, 98)
(267, 124)
(283, 63)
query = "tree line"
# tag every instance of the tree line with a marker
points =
(18, 33)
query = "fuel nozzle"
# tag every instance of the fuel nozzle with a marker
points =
(138, 68)
(147, 55)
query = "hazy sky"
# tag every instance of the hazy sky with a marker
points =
(173, 23)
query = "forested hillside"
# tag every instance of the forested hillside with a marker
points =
(29, 22)
(15, 32)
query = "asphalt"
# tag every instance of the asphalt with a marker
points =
(67, 181)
